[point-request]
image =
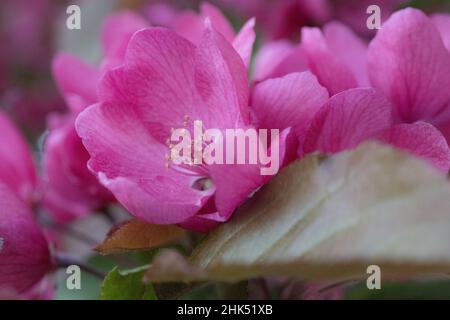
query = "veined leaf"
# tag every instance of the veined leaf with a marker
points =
(329, 219)
(138, 235)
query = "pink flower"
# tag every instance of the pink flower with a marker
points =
(17, 169)
(407, 62)
(410, 64)
(289, 101)
(278, 58)
(24, 253)
(29, 49)
(72, 191)
(341, 60)
(165, 82)
(25, 89)
(335, 55)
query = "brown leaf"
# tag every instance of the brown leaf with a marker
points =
(137, 235)
(329, 219)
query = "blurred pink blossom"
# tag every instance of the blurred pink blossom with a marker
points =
(26, 92)
(17, 169)
(284, 18)
(25, 257)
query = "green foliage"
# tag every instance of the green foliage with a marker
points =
(126, 285)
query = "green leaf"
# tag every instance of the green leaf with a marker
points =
(329, 219)
(126, 285)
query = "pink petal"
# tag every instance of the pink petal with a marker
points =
(234, 183)
(205, 220)
(72, 191)
(278, 58)
(157, 80)
(290, 101)
(409, 63)
(116, 33)
(221, 80)
(76, 80)
(169, 82)
(348, 118)
(442, 23)
(132, 164)
(16, 161)
(191, 26)
(218, 20)
(349, 48)
(24, 253)
(325, 64)
(422, 140)
(243, 43)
